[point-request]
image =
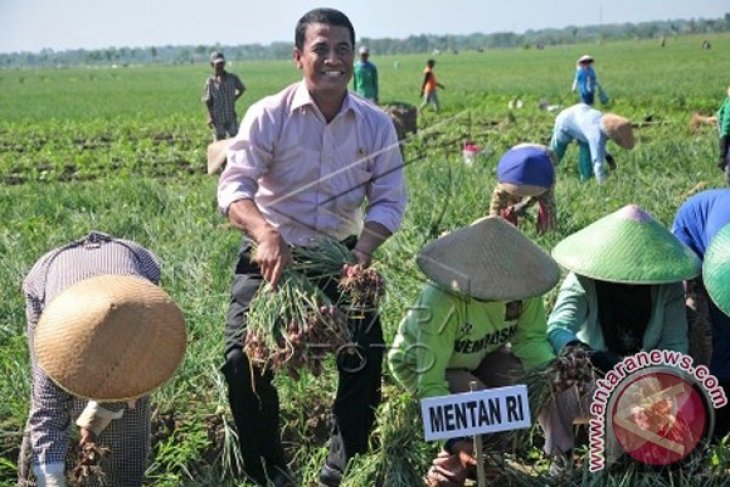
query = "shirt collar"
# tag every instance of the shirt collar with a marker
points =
(302, 98)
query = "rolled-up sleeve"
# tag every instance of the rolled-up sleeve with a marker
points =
(248, 158)
(386, 193)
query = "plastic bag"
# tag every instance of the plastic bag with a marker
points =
(603, 97)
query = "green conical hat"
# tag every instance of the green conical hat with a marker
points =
(716, 269)
(489, 259)
(627, 246)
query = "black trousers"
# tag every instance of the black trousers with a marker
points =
(255, 405)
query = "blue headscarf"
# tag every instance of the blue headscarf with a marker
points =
(527, 165)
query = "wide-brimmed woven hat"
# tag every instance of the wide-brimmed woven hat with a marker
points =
(111, 338)
(585, 58)
(716, 269)
(627, 246)
(526, 170)
(217, 153)
(489, 259)
(618, 129)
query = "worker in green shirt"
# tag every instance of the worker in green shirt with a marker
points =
(480, 317)
(365, 77)
(723, 122)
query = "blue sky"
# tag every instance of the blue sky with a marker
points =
(30, 25)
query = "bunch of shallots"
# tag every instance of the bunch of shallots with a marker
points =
(363, 285)
(88, 464)
(329, 258)
(572, 369)
(294, 326)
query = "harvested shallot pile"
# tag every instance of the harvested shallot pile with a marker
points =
(295, 325)
(88, 464)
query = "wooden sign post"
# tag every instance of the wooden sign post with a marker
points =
(474, 414)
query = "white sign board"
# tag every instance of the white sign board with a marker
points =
(478, 412)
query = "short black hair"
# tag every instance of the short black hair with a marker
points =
(328, 16)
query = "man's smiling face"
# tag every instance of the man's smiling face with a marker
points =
(326, 60)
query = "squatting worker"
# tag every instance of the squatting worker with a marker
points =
(479, 318)
(79, 300)
(525, 177)
(623, 294)
(302, 165)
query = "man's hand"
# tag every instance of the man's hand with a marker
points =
(372, 236)
(363, 259)
(273, 255)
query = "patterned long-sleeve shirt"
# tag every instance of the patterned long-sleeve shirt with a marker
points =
(95, 254)
(220, 96)
(503, 200)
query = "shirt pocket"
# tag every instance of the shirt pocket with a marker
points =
(350, 186)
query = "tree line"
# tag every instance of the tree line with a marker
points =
(424, 43)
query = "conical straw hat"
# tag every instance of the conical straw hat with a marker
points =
(627, 246)
(619, 130)
(111, 338)
(217, 154)
(489, 259)
(716, 269)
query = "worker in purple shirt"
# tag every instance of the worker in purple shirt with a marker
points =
(697, 222)
(302, 165)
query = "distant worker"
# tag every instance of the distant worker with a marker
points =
(365, 77)
(586, 81)
(723, 123)
(220, 93)
(591, 129)
(429, 86)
